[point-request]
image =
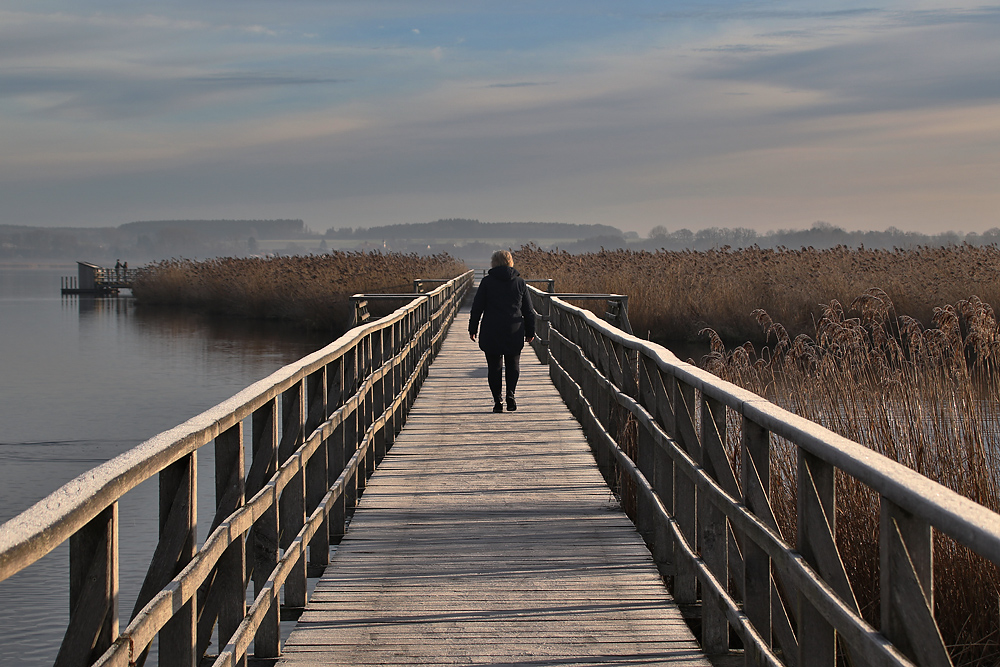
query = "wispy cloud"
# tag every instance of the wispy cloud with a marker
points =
(716, 113)
(520, 84)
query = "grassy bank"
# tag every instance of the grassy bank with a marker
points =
(673, 295)
(313, 290)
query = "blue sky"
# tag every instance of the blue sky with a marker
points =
(346, 113)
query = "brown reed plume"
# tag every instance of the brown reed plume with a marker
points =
(313, 290)
(673, 295)
(925, 397)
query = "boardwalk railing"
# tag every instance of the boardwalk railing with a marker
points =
(317, 429)
(661, 426)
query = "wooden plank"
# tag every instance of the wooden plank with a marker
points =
(489, 538)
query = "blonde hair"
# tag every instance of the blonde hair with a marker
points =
(501, 258)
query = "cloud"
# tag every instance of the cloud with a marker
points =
(729, 13)
(519, 84)
(915, 67)
(138, 92)
(735, 114)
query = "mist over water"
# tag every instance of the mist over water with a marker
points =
(83, 380)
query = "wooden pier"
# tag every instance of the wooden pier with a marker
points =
(490, 539)
(95, 280)
(494, 538)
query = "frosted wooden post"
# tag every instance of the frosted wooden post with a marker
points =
(230, 578)
(815, 507)
(389, 385)
(378, 397)
(906, 577)
(350, 374)
(178, 506)
(645, 448)
(685, 494)
(317, 471)
(663, 470)
(264, 535)
(713, 527)
(93, 590)
(755, 445)
(291, 509)
(335, 449)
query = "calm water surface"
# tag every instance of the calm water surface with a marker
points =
(83, 380)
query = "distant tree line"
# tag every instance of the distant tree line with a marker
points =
(821, 235)
(470, 240)
(461, 229)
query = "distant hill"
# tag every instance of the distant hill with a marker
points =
(219, 229)
(460, 228)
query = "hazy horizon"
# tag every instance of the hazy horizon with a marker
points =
(632, 114)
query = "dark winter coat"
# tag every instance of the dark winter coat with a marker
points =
(504, 304)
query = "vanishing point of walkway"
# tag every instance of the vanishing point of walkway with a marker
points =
(490, 539)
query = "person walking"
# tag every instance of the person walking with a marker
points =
(508, 321)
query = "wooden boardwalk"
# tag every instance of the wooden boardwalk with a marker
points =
(490, 539)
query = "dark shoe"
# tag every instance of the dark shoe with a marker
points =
(498, 407)
(511, 404)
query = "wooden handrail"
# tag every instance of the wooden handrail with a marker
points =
(319, 427)
(793, 604)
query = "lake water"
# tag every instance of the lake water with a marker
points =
(83, 380)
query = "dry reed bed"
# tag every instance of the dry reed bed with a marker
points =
(313, 290)
(898, 370)
(925, 397)
(673, 295)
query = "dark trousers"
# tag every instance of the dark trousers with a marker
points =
(495, 364)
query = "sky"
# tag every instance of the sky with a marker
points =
(350, 113)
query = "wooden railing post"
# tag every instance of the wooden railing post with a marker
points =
(178, 525)
(351, 423)
(264, 535)
(663, 472)
(335, 452)
(713, 528)
(543, 326)
(93, 590)
(391, 385)
(395, 424)
(230, 579)
(685, 493)
(816, 507)
(645, 516)
(755, 446)
(906, 578)
(291, 508)
(365, 471)
(378, 397)
(317, 469)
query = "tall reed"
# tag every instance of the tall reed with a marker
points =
(925, 397)
(313, 290)
(673, 295)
